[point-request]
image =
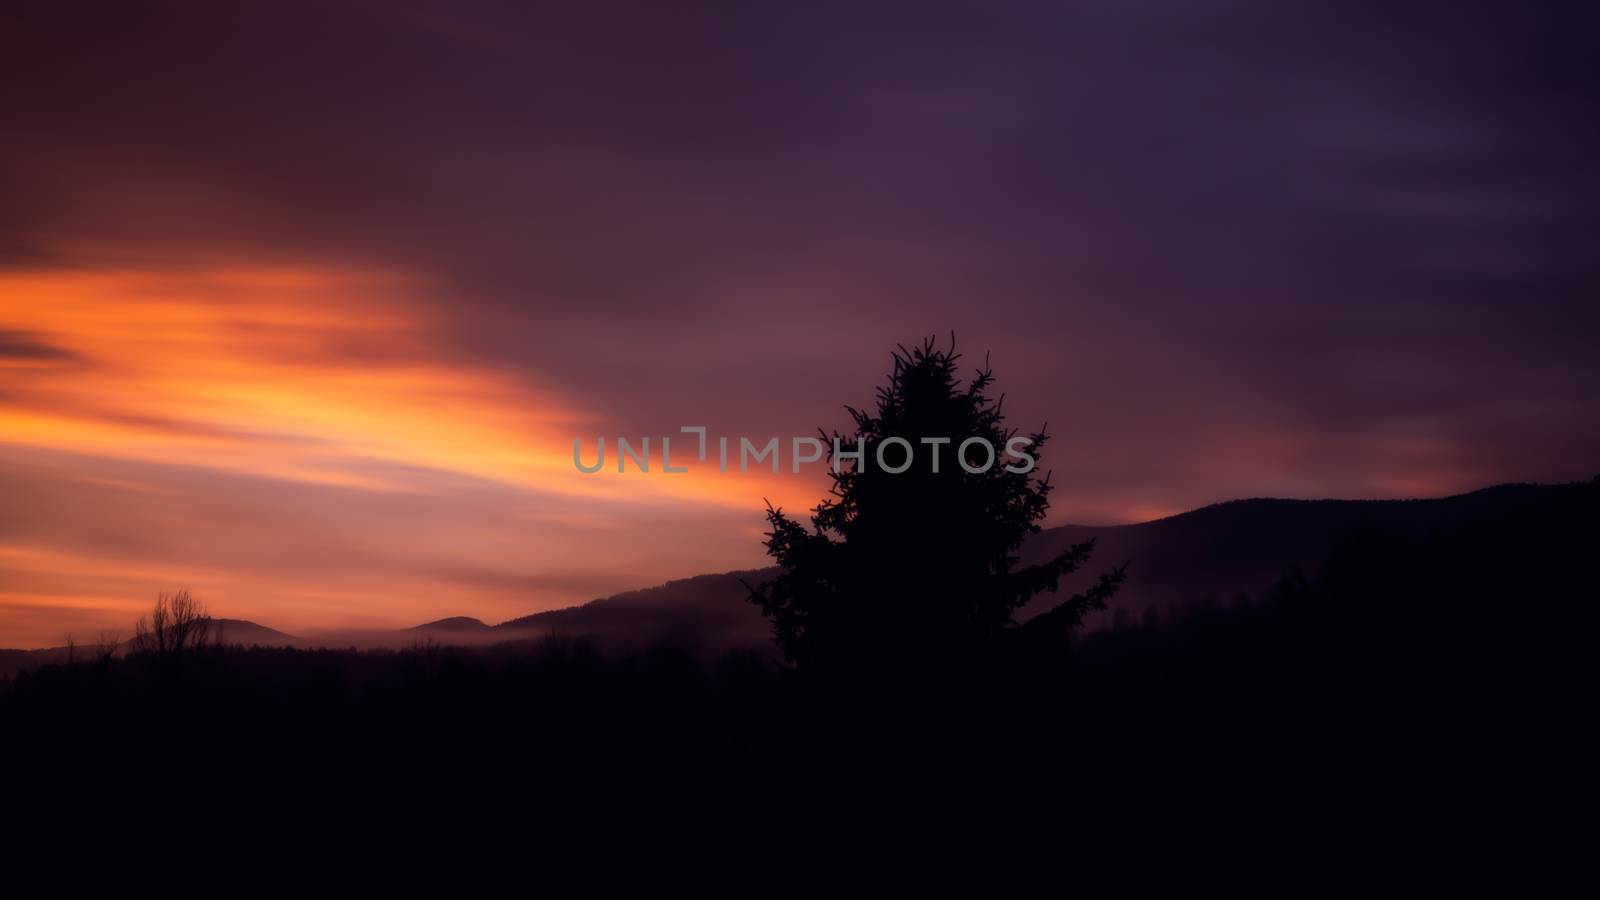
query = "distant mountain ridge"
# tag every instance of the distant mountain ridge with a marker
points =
(241, 631)
(1210, 555)
(452, 625)
(705, 612)
(223, 631)
(1207, 555)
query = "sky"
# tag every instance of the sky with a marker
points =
(302, 306)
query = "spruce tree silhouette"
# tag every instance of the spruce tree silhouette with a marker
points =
(921, 567)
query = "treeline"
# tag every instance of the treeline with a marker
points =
(1422, 669)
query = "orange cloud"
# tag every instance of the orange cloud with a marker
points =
(300, 374)
(332, 380)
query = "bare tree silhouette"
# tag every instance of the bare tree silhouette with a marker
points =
(106, 646)
(178, 624)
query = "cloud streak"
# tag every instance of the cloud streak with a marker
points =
(291, 443)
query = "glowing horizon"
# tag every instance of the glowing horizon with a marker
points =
(320, 381)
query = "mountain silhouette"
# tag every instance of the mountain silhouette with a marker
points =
(1214, 554)
(223, 631)
(707, 613)
(1194, 560)
(1210, 556)
(249, 634)
(452, 626)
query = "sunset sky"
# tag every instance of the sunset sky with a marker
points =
(302, 308)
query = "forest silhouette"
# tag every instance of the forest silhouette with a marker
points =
(1407, 665)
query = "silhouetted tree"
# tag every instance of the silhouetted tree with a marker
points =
(921, 564)
(106, 646)
(177, 624)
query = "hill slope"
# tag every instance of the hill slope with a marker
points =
(1206, 556)
(223, 631)
(707, 613)
(239, 631)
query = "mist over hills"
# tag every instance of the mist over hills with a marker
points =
(706, 613)
(223, 631)
(240, 631)
(1210, 556)
(1217, 553)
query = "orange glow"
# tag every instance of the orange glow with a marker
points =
(294, 374)
(324, 378)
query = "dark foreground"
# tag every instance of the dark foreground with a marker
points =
(1423, 694)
